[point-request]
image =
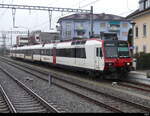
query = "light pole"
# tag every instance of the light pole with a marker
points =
(132, 40)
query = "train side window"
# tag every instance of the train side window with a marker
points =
(99, 52)
(78, 43)
(42, 52)
(73, 43)
(48, 52)
(80, 53)
(51, 52)
(73, 52)
(83, 42)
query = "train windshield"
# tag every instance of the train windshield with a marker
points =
(123, 49)
(116, 49)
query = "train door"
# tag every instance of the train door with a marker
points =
(99, 59)
(54, 55)
(32, 53)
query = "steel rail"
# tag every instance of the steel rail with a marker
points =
(7, 100)
(134, 87)
(37, 97)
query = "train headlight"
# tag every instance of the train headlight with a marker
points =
(110, 64)
(128, 64)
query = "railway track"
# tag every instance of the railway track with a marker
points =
(112, 109)
(129, 84)
(24, 100)
(5, 104)
(110, 102)
(136, 86)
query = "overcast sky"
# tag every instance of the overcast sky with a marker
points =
(38, 20)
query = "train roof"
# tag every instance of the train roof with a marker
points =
(67, 44)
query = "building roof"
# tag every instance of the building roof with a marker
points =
(138, 13)
(101, 16)
(141, 1)
(133, 13)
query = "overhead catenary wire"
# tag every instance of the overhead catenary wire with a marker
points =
(5, 10)
(82, 6)
(80, 1)
(93, 2)
(128, 12)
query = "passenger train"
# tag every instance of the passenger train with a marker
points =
(100, 57)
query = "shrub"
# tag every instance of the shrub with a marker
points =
(143, 60)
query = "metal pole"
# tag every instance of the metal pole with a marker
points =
(132, 42)
(13, 14)
(50, 18)
(50, 79)
(91, 21)
(11, 38)
(4, 43)
(28, 36)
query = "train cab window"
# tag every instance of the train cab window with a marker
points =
(99, 52)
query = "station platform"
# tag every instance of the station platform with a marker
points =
(142, 72)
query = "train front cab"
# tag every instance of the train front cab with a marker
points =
(117, 58)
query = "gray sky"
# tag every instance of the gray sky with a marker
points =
(38, 20)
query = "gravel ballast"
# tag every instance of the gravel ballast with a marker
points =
(62, 98)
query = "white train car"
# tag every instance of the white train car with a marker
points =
(12, 52)
(47, 53)
(36, 52)
(90, 55)
(81, 54)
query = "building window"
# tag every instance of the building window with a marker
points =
(141, 6)
(125, 34)
(68, 26)
(114, 27)
(136, 32)
(125, 25)
(64, 34)
(144, 48)
(102, 25)
(80, 33)
(79, 26)
(144, 30)
(68, 33)
(146, 3)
